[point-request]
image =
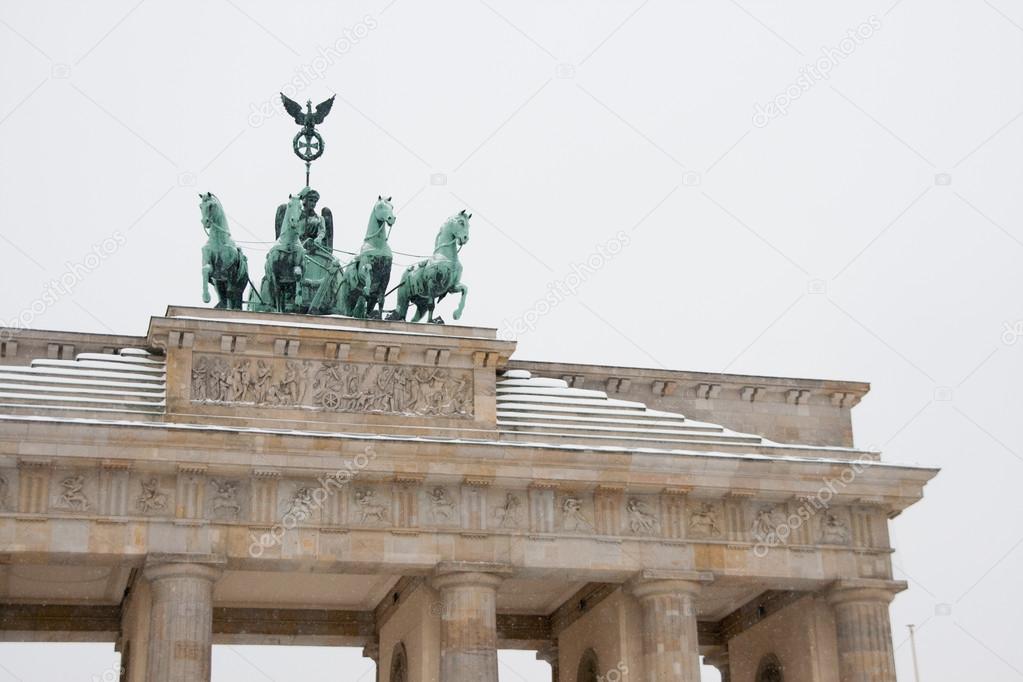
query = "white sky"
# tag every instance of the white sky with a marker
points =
(873, 232)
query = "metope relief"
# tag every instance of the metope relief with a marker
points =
(442, 506)
(224, 502)
(705, 521)
(368, 508)
(573, 518)
(508, 512)
(642, 519)
(333, 386)
(150, 500)
(72, 493)
(834, 530)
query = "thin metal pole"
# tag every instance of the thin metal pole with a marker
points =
(912, 646)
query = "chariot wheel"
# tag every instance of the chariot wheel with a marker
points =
(331, 400)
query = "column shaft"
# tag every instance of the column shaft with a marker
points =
(670, 648)
(468, 635)
(181, 622)
(863, 627)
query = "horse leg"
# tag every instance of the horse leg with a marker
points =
(461, 303)
(420, 309)
(223, 295)
(401, 309)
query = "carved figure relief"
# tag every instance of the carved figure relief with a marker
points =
(4, 489)
(766, 522)
(442, 507)
(641, 520)
(572, 517)
(302, 504)
(338, 387)
(225, 499)
(421, 391)
(704, 521)
(509, 514)
(73, 496)
(834, 531)
(369, 509)
(150, 499)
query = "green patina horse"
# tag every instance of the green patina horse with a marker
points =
(429, 281)
(223, 263)
(364, 283)
(281, 288)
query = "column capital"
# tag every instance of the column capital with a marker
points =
(469, 573)
(864, 590)
(652, 583)
(207, 566)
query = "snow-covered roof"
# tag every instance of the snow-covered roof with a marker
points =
(131, 381)
(532, 408)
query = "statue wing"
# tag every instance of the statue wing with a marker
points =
(294, 109)
(322, 109)
(328, 225)
(279, 220)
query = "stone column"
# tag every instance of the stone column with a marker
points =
(865, 651)
(181, 617)
(468, 626)
(670, 647)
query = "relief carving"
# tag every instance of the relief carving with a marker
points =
(73, 496)
(420, 391)
(442, 507)
(834, 531)
(641, 520)
(301, 505)
(4, 489)
(766, 522)
(225, 499)
(150, 499)
(216, 381)
(704, 521)
(368, 507)
(334, 386)
(509, 514)
(572, 517)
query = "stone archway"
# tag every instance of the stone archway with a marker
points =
(770, 669)
(589, 670)
(399, 664)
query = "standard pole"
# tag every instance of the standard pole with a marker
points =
(912, 646)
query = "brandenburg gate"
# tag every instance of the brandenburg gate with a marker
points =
(418, 491)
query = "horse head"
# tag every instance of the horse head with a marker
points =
(455, 230)
(213, 217)
(292, 219)
(383, 212)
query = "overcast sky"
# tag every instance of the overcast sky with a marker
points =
(794, 201)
